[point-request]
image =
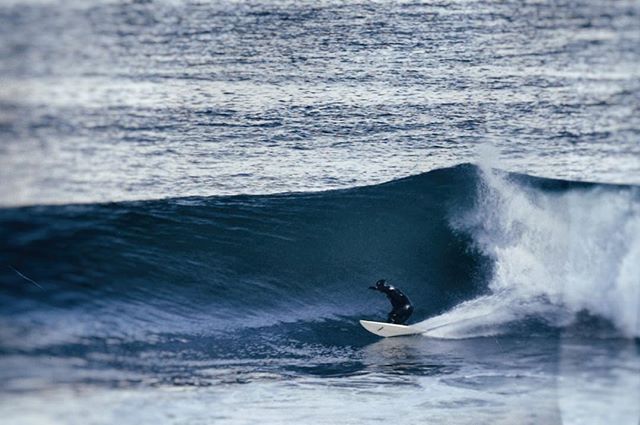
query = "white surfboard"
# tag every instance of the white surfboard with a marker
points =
(388, 329)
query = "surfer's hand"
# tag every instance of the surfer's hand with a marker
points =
(373, 287)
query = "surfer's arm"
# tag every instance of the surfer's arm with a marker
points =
(384, 290)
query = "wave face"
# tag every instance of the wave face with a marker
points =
(478, 251)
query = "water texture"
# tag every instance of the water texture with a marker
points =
(196, 195)
(115, 100)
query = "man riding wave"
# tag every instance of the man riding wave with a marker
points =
(401, 306)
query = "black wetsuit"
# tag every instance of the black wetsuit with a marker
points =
(402, 307)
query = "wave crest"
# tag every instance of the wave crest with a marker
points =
(558, 249)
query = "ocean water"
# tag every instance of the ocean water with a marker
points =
(130, 100)
(196, 195)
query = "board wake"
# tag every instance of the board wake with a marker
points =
(388, 329)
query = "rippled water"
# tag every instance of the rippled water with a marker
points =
(244, 310)
(403, 380)
(121, 100)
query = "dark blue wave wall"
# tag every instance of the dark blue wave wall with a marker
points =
(213, 263)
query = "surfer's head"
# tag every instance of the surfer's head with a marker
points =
(381, 283)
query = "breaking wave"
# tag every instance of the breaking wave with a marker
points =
(478, 250)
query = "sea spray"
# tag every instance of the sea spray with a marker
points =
(555, 253)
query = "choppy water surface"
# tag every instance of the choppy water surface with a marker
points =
(217, 286)
(408, 379)
(115, 100)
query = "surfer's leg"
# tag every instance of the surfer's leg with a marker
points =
(392, 317)
(403, 314)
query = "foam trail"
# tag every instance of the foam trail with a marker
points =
(554, 254)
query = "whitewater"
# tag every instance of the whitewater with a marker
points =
(555, 255)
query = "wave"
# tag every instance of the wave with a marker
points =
(476, 249)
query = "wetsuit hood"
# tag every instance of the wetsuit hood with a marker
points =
(381, 284)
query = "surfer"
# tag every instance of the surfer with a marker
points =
(401, 306)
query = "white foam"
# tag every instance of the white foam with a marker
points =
(554, 254)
